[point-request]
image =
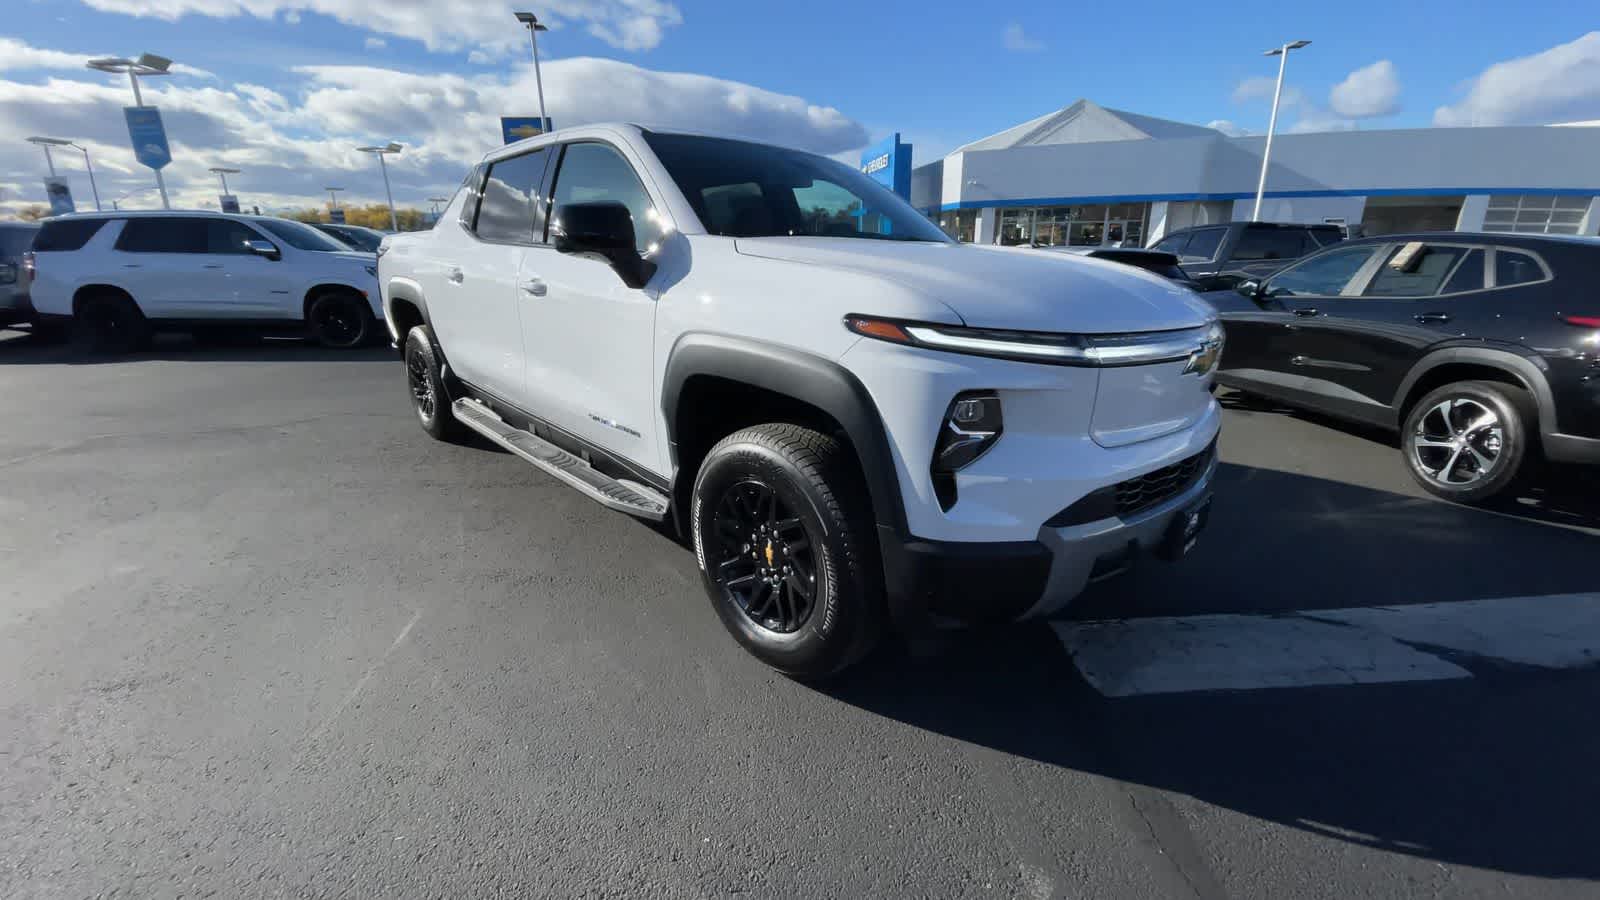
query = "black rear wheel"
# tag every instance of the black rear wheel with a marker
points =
(111, 323)
(341, 320)
(1470, 442)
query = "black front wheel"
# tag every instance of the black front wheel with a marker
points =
(341, 320)
(785, 546)
(425, 382)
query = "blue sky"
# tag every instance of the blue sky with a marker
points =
(283, 94)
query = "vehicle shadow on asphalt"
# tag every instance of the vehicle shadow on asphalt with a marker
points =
(18, 348)
(1495, 771)
(1563, 494)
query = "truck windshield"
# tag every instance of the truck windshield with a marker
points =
(741, 189)
(301, 236)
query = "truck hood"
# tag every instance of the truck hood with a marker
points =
(1004, 288)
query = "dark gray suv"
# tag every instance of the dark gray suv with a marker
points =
(16, 239)
(1220, 256)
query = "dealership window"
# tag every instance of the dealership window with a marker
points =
(960, 224)
(1532, 214)
(1095, 225)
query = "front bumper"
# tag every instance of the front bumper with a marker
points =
(940, 583)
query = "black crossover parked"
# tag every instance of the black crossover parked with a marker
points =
(1483, 350)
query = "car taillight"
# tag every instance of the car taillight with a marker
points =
(1582, 321)
(29, 266)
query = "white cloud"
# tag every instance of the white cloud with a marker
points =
(15, 54)
(1261, 88)
(1367, 92)
(1015, 39)
(444, 25)
(1227, 127)
(193, 72)
(375, 43)
(293, 139)
(479, 58)
(1554, 85)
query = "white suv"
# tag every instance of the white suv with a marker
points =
(120, 276)
(857, 421)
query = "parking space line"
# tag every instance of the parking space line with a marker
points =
(1365, 645)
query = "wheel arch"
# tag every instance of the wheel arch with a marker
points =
(93, 288)
(404, 308)
(707, 377)
(1449, 365)
(325, 287)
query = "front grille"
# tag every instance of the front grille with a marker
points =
(1138, 494)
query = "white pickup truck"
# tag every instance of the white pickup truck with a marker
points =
(858, 422)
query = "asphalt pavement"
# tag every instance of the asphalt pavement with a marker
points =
(260, 636)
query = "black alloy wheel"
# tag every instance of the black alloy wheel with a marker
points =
(112, 324)
(341, 321)
(765, 564)
(425, 385)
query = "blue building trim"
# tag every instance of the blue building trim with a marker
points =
(1250, 195)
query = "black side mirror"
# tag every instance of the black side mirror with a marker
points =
(264, 248)
(1250, 288)
(604, 230)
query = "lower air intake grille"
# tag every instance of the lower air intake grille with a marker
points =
(1149, 489)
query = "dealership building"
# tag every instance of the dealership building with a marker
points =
(1087, 175)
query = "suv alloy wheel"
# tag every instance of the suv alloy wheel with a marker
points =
(1468, 441)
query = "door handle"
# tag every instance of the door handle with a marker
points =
(1432, 318)
(1306, 311)
(456, 276)
(212, 266)
(133, 265)
(536, 287)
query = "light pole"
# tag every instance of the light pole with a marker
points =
(380, 153)
(223, 174)
(147, 64)
(1272, 123)
(333, 201)
(534, 26)
(48, 142)
(436, 201)
(93, 188)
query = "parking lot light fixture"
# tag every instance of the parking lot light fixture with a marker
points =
(380, 152)
(534, 26)
(147, 64)
(1282, 53)
(45, 144)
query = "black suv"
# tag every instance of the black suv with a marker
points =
(1220, 256)
(1481, 349)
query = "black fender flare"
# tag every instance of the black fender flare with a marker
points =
(401, 288)
(1529, 370)
(806, 377)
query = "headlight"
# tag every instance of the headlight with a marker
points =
(971, 426)
(1050, 348)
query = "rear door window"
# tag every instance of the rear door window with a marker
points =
(66, 234)
(1174, 244)
(1325, 275)
(1203, 244)
(1513, 267)
(1468, 276)
(164, 234)
(1270, 243)
(1414, 270)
